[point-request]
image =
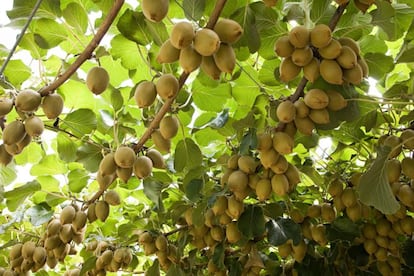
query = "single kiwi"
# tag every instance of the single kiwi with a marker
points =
(364, 67)
(299, 36)
(6, 106)
(331, 71)
(52, 242)
(107, 256)
(407, 138)
(228, 30)
(169, 127)
(28, 249)
(247, 164)
(217, 233)
(105, 181)
(314, 211)
(107, 166)
(97, 80)
(225, 58)
(145, 94)
(124, 173)
(332, 50)
(5, 157)
(407, 167)
(280, 166)
(335, 188)
(80, 220)
(237, 181)
(220, 205)
(27, 100)
(302, 56)
(25, 142)
(155, 10)
(282, 143)
(12, 149)
(124, 157)
(264, 141)
(320, 36)
(167, 53)
(316, 99)
(347, 41)
(66, 233)
(102, 210)
(311, 70)
(354, 212)
(280, 184)
(347, 59)
(39, 255)
(15, 251)
(52, 105)
(395, 143)
(293, 175)
(283, 47)
(319, 116)
(268, 157)
(209, 66)
(13, 132)
(167, 86)
(348, 197)
(233, 234)
(319, 235)
(206, 42)
(145, 237)
(288, 70)
(67, 215)
(234, 207)
(328, 212)
(286, 111)
(299, 251)
(112, 198)
(336, 100)
(142, 167)
(156, 158)
(353, 75)
(305, 125)
(162, 144)
(182, 35)
(263, 189)
(161, 243)
(189, 59)
(34, 126)
(302, 110)
(53, 227)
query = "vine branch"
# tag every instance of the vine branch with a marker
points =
(86, 54)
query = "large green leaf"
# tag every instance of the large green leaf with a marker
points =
(75, 16)
(17, 72)
(39, 214)
(48, 33)
(49, 165)
(126, 50)
(90, 156)
(187, 155)
(210, 99)
(77, 180)
(379, 64)
(252, 222)
(152, 189)
(194, 9)
(66, 147)
(18, 195)
(373, 187)
(80, 122)
(132, 25)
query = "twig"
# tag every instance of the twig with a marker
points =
(86, 54)
(176, 230)
(337, 15)
(19, 38)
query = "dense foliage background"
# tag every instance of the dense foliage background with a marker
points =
(350, 212)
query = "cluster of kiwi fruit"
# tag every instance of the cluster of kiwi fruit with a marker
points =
(109, 257)
(209, 49)
(97, 80)
(19, 133)
(158, 244)
(312, 109)
(337, 61)
(100, 209)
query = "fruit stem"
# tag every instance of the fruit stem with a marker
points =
(86, 54)
(176, 230)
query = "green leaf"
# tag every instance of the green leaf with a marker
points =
(49, 165)
(251, 222)
(19, 194)
(210, 99)
(132, 25)
(117, 100)
(126, 50)
(193, 9)
(154, 270)
(379, 64)
(17, 72)
(215, 123)
(193, 189)
(248, 142)
(406, 54)
(90, 156)
(319, 8)
(23, 8)
(187, 155)
(7, 175)
(218, 256)
(342, 228)
(78, 179)
(281, 230)
(48, 33)
(175, 270)
(75, 16)
(39, 214)
(152, 189)
(66, 148)
(373, 187)
(80, 122)
(88, 265)
(245, 16)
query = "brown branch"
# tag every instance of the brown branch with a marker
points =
(176, 230)
(86, 54)
(337, 15)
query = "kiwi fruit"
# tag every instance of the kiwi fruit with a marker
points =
(167, 86)
(52, 242)
(15, 251)
(302, 56)
(233, 234)
(302, 110)
(247, 164)
(328, 212)
(28, 249)
(311, 70)
(182, 35)
(155, 10)
(280, 184)
(209, 66)
(97, 80)
(395, 143)
(233, 162)
(282, 143)
(27, 100)
(217, 233)
(318, 234)
(24, 143)
(331, 71)
(124, 157)
(228, 30)
(67, 215)
(268, 157)
(5, 157)
(161, 243)
(107, 166)
(280, 166)
(219, 206)
(364, 66)
(79, 221)
(320, 36)
(332, 50)
(102, 210)
(34, 126)
(305, 125)
(293, 175)
(53, 227)
(52, 105)
(124, 173)
(299, 36)
(206, 42)
(263, 189)
(283, 47)
(335, 188)
(353, 75)
(6, 106)
(66, 233)
(13, 132)
(189, 59)
(286, 111)
(167, 53)
(156, 158)
(314, 211)
(319, 116)
(162, 144)
(347, 41)
(237, 181)
(225, 58)
(348, 197)
(142, 167)
(145, 94)
(235, 207)
(112, 198)
(347, 59)
(288, 70)
(105, 181)
(264, 141)
(285, 250)
(299, 251)
(169, 127)
(336, 100)
(393, 168)
(316, 99)
(407, 138)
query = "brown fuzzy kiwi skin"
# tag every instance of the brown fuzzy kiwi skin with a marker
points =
(169, 127)
(14, 132)
(34, 126)
(27, 100)
(167, 86)
(5, 157)
(97, 80)
(124, 157)
(6, 105)
(155, 10)
(142, 167)
(156, 158)
(52, 105)
(145, 94)
(102, 210)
